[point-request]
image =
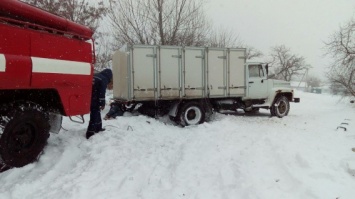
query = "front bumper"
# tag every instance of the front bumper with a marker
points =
(296, 99)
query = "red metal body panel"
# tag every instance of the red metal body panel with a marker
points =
(74, 90)
(36, 59)
(18, 72)
(18, 10)
(59, 47)
(15, 45)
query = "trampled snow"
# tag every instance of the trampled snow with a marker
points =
(302, 155)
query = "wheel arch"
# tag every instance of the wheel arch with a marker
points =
(288, 95)
(205, 104)
(49, 99)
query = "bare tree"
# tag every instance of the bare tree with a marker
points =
(341, 48)
(343, 79)
(287, 64)
(253, 53)
(165, 22)
(223, 38)
(79, 11)
(103, 50)
(51, 6)
(82, 12)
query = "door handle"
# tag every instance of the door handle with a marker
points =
(251, 82)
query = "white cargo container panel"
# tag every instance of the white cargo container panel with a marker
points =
(217, 72)
(144, 67)
(236, 72)
(121, 76)
(170, 72)
(194, 72)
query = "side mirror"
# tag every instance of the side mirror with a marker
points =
(267, 69)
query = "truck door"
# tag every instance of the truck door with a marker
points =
(144, 71)
(170, 71)
(257, 82)
(194, 68)
(216, 65)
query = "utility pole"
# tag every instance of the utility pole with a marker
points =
(304, 75)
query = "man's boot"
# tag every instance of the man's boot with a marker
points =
(89, 134)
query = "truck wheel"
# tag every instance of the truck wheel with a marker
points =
(191, 113)
(281, 107)
(25, 133)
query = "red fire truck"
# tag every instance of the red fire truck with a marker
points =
(46, 68)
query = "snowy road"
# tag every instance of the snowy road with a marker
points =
(234, 156)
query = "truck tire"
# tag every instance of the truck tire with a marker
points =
(25, 133)
(281, 107)
(191, 113)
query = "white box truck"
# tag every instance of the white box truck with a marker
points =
(189, 83)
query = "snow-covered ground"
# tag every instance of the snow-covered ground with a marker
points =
(302, 155)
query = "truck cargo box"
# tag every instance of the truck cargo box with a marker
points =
(144, 73)
(191, 83)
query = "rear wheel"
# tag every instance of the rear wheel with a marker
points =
(191, 113)
(281, 107)
(25, 129)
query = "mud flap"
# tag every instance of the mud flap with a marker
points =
(174, 109)
(55, 122)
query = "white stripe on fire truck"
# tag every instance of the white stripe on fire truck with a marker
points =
(2, 63)
(43, 65)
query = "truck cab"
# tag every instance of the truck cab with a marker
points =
(264, 92)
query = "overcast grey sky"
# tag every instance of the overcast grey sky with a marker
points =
(302, 25)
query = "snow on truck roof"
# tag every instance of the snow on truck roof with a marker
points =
(21, 11)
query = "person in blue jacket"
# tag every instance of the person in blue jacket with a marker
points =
(101, 81)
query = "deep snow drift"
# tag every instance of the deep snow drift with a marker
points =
(302, 155)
